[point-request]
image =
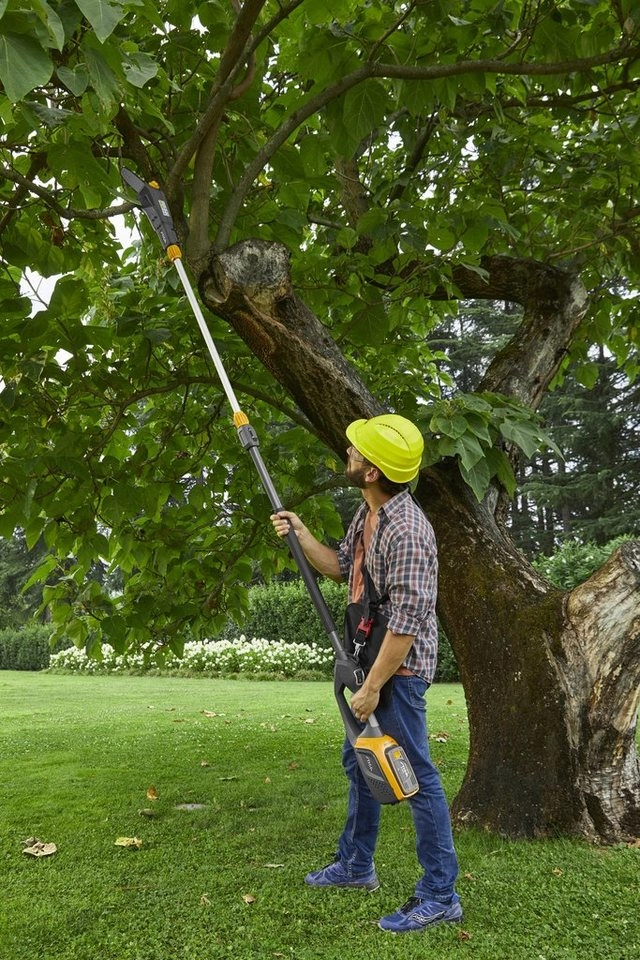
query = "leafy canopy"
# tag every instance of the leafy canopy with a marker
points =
(381, 142)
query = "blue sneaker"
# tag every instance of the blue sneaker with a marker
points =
(334, 875)
(417, 914)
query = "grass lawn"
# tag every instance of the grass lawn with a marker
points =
(78, 756)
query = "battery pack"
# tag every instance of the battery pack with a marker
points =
(386, 768)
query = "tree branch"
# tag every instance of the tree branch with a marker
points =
(371, 70)
(134, 145)
(554, 304)
(275, 21)
(416, 154)
(235, 55)
(38, 161)
(66, 213)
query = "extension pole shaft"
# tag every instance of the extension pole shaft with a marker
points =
(249, 440)
(208, 339)
(154, 204)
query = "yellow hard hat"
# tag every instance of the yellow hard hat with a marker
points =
(390, 442)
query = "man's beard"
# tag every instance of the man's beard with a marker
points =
(356, 476)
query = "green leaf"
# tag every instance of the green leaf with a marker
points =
(501, 468)
(49, 116)
(70, 297)
(41, 572)
(478, 477)
(525, 435)
(103, 79)
(139, 68)
(24, 65)
(364, 107)
(587, 374)
(76, 80)
(471, 451)
(52, 22)
(115, 631)
(479, 426)
(370, 324)
(161, 335)
(103, 15)
(451, 426)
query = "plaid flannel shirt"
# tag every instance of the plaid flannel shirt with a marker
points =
(403, 562)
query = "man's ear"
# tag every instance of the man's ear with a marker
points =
(372, 474)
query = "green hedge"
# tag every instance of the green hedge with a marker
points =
(279, 611)
(574, 562)
(284, 611)
(26, 647)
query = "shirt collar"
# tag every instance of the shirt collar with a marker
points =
(387, 510)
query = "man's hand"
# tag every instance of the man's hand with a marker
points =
(324, 559)
(284, 521)
(391, 655)
(364, 702)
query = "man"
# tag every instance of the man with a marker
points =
(392, 534)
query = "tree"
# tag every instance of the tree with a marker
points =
(16, 563)
(587, 488)
(591, 491)
(369, 164)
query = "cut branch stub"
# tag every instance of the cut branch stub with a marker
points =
(249, 285)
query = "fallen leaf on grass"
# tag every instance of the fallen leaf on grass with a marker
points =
(204, 900)
(36, 848)
(131, 843)
(147, 812)
(464, 935)
(248, 898)
(152, 793)
(205, 763)
(557, 872)
(274, 866)
(441, 737)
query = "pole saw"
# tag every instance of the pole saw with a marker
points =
(382, 761)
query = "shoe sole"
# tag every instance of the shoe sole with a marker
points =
(344, 886)
(424, 926)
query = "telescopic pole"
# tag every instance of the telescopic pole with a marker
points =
(154, 204)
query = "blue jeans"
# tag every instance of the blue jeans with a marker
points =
(405, 720)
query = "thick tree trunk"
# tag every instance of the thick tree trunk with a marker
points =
(551, 680)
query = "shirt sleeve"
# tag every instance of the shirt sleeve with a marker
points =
(344, 554)
(412, 577)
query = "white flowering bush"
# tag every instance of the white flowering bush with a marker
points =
(256, 657)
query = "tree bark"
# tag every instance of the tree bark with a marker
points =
(551, 680)
(552, 723)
